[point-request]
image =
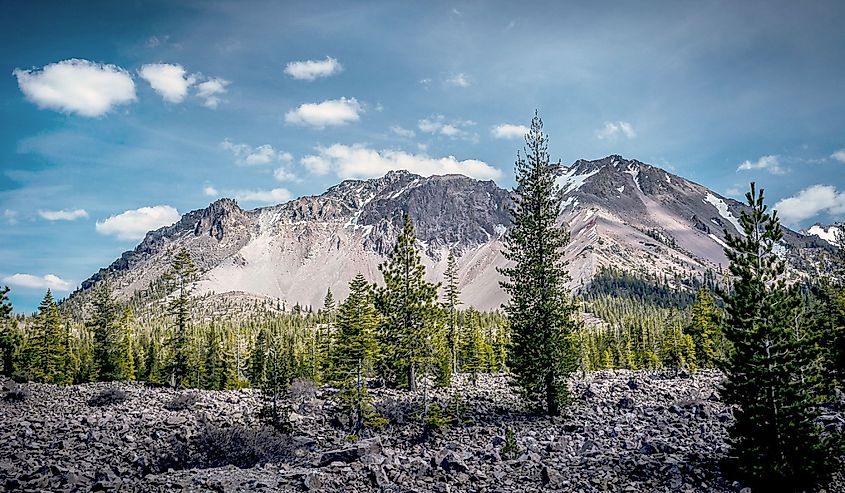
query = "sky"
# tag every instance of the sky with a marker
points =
(118, 117)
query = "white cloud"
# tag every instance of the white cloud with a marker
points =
(768, 163)
(210, 191)
(11, 216)
(313, 69)
(437, 124)
(458, 80)
(328, 113)
(839, 155)
(734, 191)
(613, 130)
(49, 281)
(63, 215)
(171, 81)
(77, 86)
(274, 196)
(211, 90)
(247, 155)
(284, 174)
(810, 202)
(134, 224)
(358, 161)
(509, 131)
(403, 132)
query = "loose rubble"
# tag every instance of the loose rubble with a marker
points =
(624, 432)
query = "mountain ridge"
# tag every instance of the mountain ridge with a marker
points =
(620, 212)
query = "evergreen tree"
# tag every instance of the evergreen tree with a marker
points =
(704, 328)
(258, 360)
(354, 350)
(180, 279)
(324, 338)
(540, 311)
(472, 351)
(125, 350)
(104, 326)
(9, 339)
(775, 445)
(452, 299)
(46, 351)
(411, 321)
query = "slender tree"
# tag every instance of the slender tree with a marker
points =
(411, 320)
(125, 350)
(540, 310)
(704, 328)
(452, 295)
(9, 339)
(47, 351)
(180, 281)
(324, 337)
(354, 351)
(775, 445)
(105, 328)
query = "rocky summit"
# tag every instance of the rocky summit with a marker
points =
(624, 431)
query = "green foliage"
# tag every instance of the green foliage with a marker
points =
(705, 328)
(437, 418)
(410, 332)
(180, 279)
(510, 449)
(45, 355)
(9, 336)
(451, 296)
(540, 311)
(775, 444)
(667, 291)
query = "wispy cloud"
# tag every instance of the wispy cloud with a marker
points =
(210, 191)
(614, 130)
(134, 224)
(332, 112)
(839, 155)
(768, 163)
(10, 216)
(439, 125)
(313, 69)
(403, 132)
(211, 91)
(246, 155)
(360, 161)
(274, 196)
(49, 281)
(77, 86)
(459, 80)
(63, 215)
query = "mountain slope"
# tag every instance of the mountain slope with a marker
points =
(620, 212)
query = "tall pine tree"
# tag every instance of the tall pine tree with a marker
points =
(704, 328)
(180, 281)
(452, 295)
(775, 445)
(105, 328)
(541, 311)
(411, 321)
(46, 352)
(9, 338)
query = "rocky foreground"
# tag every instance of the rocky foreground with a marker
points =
(625, 431)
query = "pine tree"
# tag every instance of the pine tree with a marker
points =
(452, 295)
(324, 338)
(258, 360)
(354, 351)
(411, 321)
(46, 351)
(9, 339)
(540, 311)
(775, 445)
(125, 350)
(704, 328)
(180, 279)
(104, 326)
(472, 350)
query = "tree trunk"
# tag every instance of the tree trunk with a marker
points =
(551, 395)
(412, 376)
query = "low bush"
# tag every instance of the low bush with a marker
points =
(18, 394)
(108, 397)
(182, 402)
(216, 446)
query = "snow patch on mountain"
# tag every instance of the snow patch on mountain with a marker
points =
(571, 181)
(722, 207)
(827, 234)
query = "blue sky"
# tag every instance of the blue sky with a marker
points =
(122, 115)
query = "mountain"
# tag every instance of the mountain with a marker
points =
(621, 213)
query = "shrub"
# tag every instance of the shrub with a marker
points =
(182, 402)
(510, 449)
(215, 446)
(19, 394)
(108, 397)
